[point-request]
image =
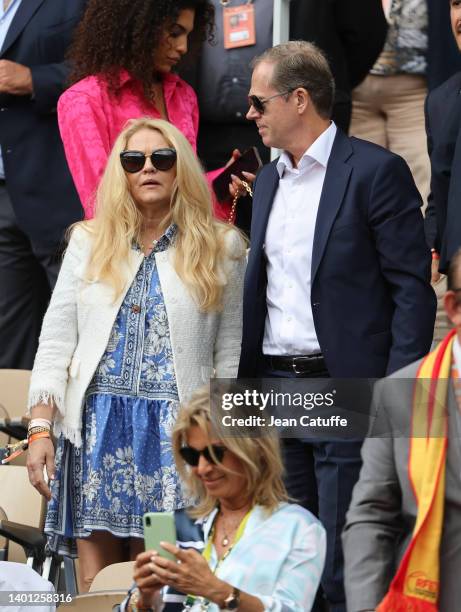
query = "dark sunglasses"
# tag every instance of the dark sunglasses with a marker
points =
(259, 103)
(192, 456)
(134, 161)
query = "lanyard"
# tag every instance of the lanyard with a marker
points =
(191, 599)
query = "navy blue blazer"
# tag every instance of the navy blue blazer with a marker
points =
(372, 302)
(37, 177)
(443, 127)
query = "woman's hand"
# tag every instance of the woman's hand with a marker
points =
(39, 455)
(237, 185)
(146, 580)
(191, 574)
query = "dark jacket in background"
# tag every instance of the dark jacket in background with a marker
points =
(351, 33)
(444, 58)
(443, 127)
(37, 178)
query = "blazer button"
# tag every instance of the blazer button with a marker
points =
(136, 308)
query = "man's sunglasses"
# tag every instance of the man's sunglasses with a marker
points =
(134, 161)
(259, 103)
(192, 456)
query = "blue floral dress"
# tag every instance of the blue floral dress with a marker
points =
(125, 466)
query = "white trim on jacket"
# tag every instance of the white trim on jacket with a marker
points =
(80, 317)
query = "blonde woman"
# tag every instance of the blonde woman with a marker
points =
(146, 308)
(259, 552)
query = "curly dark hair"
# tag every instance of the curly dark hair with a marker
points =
(116, 34)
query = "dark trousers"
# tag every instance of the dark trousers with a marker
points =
(320, 476)
(28, 272)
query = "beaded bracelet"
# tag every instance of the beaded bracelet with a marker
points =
(37, 436)
(37, 429)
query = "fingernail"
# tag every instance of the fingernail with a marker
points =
(234, 177)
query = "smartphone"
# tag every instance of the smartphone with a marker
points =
(248, 162)
(159, 527)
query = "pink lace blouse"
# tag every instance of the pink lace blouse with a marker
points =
(90, 119)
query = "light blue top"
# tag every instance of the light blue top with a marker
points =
(6, 17)
(279, 559)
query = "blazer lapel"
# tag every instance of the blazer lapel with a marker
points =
(264, 197)
(334, 189)
(21, 19)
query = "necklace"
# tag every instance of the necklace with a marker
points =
(229, 529)
(153, 243)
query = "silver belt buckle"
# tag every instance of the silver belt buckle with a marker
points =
(295, 370)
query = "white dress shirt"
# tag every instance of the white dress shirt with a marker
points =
(289, 328)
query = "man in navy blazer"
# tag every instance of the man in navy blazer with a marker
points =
(337, 282)
(38, 200)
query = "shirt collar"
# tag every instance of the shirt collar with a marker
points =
(319, 152)
(168, 79)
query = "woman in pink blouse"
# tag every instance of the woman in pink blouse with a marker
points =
(123, 56)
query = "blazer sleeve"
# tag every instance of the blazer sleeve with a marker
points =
(58, 338)
(430, 221)
(229, 337)
(397, 224)
(373, 527)
(48, 84)
(85, 136)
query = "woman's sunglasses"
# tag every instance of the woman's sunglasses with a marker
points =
(134, 161)
(192, 456)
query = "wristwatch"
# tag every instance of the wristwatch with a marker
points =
(233, 601)
(133, 603)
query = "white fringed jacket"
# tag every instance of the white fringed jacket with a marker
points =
(80, 317)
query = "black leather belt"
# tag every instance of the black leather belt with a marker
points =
(299, 364)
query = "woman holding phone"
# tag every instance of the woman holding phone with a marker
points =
(146, 308)
(124, 55)
(260, 552)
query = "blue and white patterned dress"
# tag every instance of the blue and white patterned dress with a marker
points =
(125, 466)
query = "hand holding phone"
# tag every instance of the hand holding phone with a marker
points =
(159, 527)
(250, 162)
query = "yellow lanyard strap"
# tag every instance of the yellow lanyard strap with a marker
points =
(238, 535)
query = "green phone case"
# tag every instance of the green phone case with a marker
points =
(159, 527)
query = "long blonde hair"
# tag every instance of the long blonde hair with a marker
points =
(260, 457)
(199, 244)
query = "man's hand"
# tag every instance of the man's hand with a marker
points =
(435, 274)
(15, 79)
